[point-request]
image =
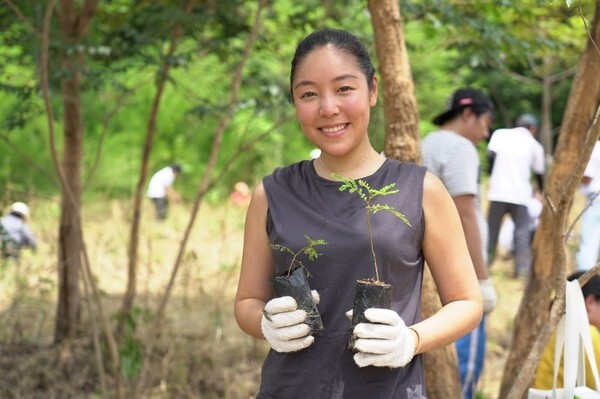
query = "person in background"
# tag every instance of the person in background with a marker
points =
(507, 231)
(513, 155)
(16, 233)
(589, 241)
(333, 88)
(451, 154)
(241, 194)
(160, 189)
(544, 374)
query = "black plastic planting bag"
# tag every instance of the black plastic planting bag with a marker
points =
(296, 286)
(368, 294)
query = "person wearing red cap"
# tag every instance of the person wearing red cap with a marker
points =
(450, 153)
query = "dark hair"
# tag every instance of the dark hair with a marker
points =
(18, 214)
(176, 168)
(527, 121)
(592, 287)
(338, 39)
(477, 109)
(462, 99)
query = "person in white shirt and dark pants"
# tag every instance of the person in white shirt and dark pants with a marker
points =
(514, 154)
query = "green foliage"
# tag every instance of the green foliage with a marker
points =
(7, 244)
(308, 250)
(450, 44)
(367, 195)
(131, 347)
(356, 186)
(487, 45)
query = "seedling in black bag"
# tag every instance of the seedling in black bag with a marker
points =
(294, 281)
(371, 292)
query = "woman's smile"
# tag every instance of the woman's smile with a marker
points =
(335, 130)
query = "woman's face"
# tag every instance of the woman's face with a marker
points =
(332, 100)
(593, 310)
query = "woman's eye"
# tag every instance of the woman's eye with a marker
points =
(307, 94)
(345, 88)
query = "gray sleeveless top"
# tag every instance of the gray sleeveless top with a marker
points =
(303, 203)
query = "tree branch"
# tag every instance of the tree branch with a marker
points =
(21, 16)
(563, 75)
(30, 161)
(212, 159)
(65, 187)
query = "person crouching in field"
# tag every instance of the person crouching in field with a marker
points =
(14, 231)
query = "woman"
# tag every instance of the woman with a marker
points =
(333, 87)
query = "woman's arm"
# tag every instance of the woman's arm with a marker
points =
(447, 255)
(254, 289)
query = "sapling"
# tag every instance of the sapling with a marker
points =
(309, 250)
(370, 293)
(367, 194)
(294, 281)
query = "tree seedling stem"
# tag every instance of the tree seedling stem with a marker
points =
(309, 250)
(367, 194)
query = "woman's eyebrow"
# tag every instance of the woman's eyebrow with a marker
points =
(337, 78)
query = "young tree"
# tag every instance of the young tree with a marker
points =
(577, 138)
(161, 80)
(74, 21)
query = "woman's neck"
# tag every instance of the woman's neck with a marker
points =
(352, 167)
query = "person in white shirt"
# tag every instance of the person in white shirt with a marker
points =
(514, 154)
(15, 233)
(589, 243)
(160, 189)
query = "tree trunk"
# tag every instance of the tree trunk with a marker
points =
(545, 133)
(442, 377)
(572, 153)
(74, 26)
(400, 104)
(402, 142)
(69, 262)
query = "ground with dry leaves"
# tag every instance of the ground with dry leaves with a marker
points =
(202, 353)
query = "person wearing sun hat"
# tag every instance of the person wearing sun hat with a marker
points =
(15, 233)
(451, 154)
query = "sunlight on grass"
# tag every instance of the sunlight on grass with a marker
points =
(201, 349)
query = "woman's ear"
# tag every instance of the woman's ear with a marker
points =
(590, 302)
(373, 93)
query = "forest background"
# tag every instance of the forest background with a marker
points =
(203, 84)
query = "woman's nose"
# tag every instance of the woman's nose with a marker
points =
(328, 107)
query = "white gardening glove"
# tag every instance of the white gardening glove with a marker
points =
(283, 325)
(386, 342)
(488, 293)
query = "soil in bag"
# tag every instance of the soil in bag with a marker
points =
(296, 286)
(368, 294)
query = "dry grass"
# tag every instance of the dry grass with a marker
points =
(202, 353)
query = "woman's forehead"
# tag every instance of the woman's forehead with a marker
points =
(327, 60)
